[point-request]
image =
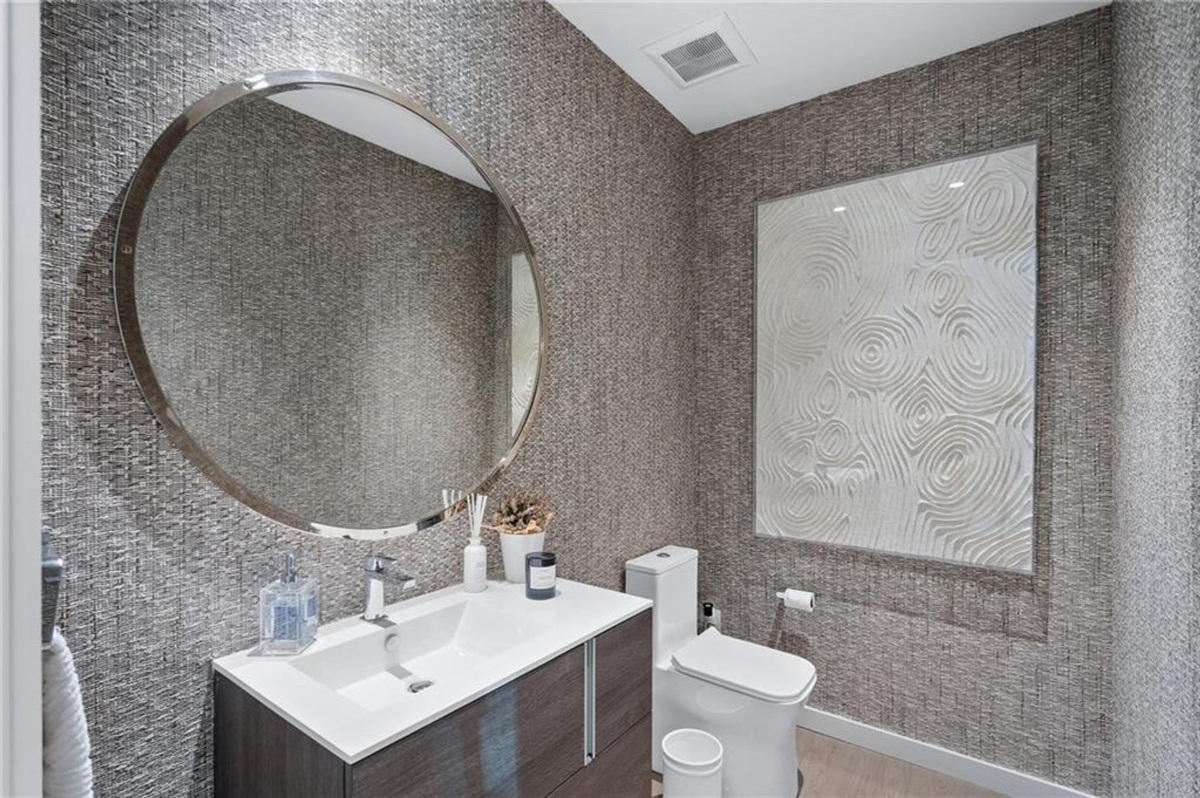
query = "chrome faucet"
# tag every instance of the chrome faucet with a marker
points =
(377, 574)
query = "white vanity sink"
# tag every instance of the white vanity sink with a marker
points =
(362, 685)
(379, 665)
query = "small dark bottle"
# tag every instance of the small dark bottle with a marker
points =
(711, 619)
(539, 575)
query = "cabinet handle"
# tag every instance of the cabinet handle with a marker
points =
(589, 701)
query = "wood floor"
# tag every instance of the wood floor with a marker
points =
(834, 769)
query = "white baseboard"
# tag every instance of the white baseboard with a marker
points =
(934, 757)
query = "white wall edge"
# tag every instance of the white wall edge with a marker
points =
(934, 757)
(20, 400)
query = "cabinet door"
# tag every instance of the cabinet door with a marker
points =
(624, 670)
(258, 754)
(519, 741)
(622, 771)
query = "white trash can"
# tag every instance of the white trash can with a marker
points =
(691, 764)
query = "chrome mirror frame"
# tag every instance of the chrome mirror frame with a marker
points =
(124, 273)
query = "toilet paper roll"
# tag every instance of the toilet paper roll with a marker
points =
(798, 600)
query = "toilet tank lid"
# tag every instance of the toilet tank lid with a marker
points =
(661, 560)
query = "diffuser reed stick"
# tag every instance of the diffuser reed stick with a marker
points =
(476, 502)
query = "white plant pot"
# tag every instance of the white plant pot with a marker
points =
(514, 548)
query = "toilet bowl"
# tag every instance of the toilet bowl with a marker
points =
(747, 696)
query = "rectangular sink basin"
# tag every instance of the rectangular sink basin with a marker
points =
(398, 660)
(363, 685)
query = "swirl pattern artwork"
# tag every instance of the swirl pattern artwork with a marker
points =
(524, 337)
(894, 400)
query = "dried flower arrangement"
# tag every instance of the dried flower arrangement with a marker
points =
(521, 512)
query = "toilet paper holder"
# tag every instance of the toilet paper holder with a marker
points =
(794, 599)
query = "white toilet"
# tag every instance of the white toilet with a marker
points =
(746, 695)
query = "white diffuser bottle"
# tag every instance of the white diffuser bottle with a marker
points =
(475, 553)
(474, 567)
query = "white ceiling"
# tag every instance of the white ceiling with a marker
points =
(804, 49)
(384, 124)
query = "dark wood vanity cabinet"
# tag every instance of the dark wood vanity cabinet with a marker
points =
(524, 738)
(527, 739)
(624, 668)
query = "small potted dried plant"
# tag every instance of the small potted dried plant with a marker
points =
(520, 518)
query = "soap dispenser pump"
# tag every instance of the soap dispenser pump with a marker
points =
(288, 612)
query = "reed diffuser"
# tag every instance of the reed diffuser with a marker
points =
(474, 553)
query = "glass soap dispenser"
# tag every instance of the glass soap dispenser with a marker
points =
(288, 609)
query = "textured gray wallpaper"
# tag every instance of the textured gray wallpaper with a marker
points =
(163, 568)
(1156, 598)
(1009, 668)
(300, 291)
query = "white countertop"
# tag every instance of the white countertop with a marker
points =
(351, 695)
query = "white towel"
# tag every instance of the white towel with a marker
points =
(66, 766)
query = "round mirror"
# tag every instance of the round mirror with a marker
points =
(329, 303)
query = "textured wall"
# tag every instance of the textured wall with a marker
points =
(1156, 596)
(299, 289)
(1012, 669)
(163, 568)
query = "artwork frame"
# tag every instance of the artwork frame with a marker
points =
(986, 351)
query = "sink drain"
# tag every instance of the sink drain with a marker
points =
(420, 685)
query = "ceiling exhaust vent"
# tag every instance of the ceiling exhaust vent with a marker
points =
(703, 51)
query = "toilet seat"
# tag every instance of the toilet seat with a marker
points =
(745, 667)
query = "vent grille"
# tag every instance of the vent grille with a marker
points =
(700, 57)
(701, 51)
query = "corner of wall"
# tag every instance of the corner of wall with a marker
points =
(1156, 601)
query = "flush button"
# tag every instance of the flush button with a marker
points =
(664, 554)
(391, 643)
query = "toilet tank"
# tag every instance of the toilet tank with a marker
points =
(667, 576)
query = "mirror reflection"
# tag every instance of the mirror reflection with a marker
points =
(340, 311)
